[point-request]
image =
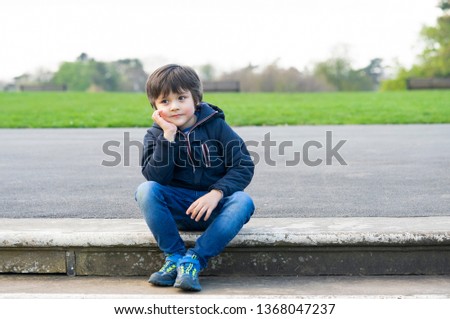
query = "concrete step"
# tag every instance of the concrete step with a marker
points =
(57, 286)
(266, 246)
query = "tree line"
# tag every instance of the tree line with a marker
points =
(334, 74)
(88, 74)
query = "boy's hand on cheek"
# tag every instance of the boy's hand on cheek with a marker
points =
(205, 205)
(169, 129)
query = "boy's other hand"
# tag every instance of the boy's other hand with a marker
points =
(169, 129)
(205, 205)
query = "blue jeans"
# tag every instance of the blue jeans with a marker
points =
(164, 208)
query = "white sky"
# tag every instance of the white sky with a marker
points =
(229, 34)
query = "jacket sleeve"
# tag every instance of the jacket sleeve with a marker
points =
(157, 158)
(238, 163)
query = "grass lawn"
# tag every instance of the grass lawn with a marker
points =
(73, 109)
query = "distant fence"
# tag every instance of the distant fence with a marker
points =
(43, 87)
(221, 86)
(428, 83)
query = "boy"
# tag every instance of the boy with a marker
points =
(196, 168)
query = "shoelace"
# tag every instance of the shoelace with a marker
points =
(168, 266)
(188, 270)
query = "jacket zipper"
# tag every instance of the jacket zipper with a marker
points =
(186, 136)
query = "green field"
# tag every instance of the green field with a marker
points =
(71, 109)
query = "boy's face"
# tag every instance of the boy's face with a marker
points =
(177, 109)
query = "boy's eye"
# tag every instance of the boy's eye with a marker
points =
(181, 98)
(164, 101)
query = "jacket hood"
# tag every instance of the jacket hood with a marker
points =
(206, 110)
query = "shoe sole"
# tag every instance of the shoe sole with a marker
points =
(162, 283)
(187, 286)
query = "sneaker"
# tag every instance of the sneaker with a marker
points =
(188, 270)
(167, 274)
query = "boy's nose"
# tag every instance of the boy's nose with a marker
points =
(174, 105)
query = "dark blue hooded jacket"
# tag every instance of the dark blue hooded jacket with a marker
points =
(209, 156)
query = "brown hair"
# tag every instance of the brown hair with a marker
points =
(176, 79)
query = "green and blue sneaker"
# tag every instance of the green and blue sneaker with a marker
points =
(188, 270)
(168, 273)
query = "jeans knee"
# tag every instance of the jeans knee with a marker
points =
(148, 196)
(245, 204)
(145, 191)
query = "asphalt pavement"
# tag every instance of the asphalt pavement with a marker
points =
(301, 171)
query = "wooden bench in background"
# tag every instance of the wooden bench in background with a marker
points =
(46, 87)
(428, 83)
(221, 86)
